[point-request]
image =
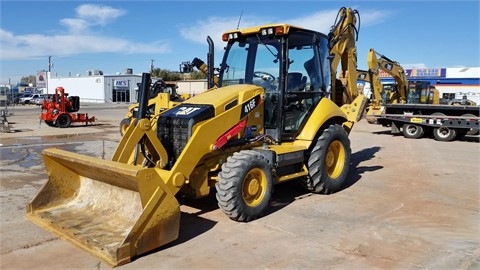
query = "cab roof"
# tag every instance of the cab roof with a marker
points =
(257, 29)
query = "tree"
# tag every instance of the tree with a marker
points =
(165, 74)
(197, 75)
(30, 79)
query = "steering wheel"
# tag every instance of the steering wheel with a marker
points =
(264, 75)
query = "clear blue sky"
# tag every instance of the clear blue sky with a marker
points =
(114, 35)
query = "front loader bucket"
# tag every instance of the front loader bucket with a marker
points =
(113, 210)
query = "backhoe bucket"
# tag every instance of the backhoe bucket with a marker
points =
(113, 210)
(373, 113)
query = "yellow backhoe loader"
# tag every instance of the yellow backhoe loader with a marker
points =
(278, 114)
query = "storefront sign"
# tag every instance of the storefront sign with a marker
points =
(121, 83)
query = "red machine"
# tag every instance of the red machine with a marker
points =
(60, 110)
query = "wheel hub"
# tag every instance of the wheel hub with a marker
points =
(334, 159)
(253, 187)
(330, 158)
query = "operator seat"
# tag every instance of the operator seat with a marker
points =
(313, 73)
(296, 81)
(294, 108)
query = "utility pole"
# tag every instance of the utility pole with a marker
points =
(50, 64)
(151, 65)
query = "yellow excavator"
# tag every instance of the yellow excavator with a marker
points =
(278, 114)
(383, 94)
(399, 92)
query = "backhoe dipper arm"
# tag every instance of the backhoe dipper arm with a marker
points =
(372, 77)
(343, 35)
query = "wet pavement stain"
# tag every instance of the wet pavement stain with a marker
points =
(27, 156)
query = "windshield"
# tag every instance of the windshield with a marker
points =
(253, 61)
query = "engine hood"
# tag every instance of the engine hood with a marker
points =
(224, 98)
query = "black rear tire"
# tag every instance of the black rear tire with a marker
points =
(64, 121)
(244, 186)
(329, 161)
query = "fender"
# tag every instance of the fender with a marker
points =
(324, 111)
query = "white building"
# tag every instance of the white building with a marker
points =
(98, 88)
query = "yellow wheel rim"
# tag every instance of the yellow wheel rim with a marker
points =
(254, 186)
(334, 159)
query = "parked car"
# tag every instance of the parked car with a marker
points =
(16, 97)
(38, 100)
(27, 98)
(41, 98)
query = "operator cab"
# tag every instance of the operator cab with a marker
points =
(290, 63)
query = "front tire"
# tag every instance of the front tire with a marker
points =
(245, 186)
(329, 161)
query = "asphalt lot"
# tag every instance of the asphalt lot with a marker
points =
(408, 204)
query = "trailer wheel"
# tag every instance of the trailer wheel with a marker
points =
(244, 186)
(444, 134)
(329, 161)
(412, 131)
(64, 121)
(472, 131)
(124, 125)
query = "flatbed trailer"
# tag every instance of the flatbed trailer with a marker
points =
(446, 122)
